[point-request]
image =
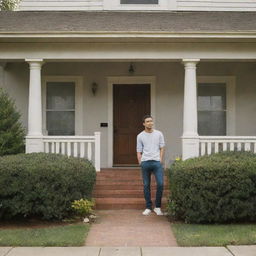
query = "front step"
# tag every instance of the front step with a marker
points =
(122, 188)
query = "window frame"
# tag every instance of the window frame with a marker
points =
(230, 82)
(78, 80)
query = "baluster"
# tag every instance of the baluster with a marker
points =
(202, 148)
(46, 144)
(75, 149)
(63, 151)
(89, 151)
(53, 147)
(247, 146)
(254, 147)
(209, 148)
(239, 146)
(82, 149)
(69, 149)
(216, 147)
(224, 146)
(232, 146)
(57, 148)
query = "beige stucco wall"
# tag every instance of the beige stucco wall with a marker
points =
(169, 94)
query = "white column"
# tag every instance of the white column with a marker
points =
(34, 141)
(97, 151)
(190, 140)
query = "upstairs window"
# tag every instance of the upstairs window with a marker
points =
(139, 1)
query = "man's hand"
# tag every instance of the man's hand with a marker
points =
(161, 155)
(139, 155)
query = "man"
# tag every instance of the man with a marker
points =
(150, 151)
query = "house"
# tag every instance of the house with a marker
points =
(83, 73)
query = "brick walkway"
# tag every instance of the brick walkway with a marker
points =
(130, 228)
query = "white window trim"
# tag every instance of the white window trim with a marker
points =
(230, 82)
(162, 5)
(127, 80)
(78, 80)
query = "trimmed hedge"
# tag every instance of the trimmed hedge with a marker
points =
(219, 188)
(43, 185)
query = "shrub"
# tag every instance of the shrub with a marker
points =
(43, 185)
(219, 188)
(11, 132)
(8, 5)
(83, 207)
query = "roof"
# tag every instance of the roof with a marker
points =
(110, 21)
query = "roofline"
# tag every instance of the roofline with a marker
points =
(128, 34)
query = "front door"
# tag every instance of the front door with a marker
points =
(131, 103)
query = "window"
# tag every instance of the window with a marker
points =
(139, 1)
(60, 108)
(212, 109)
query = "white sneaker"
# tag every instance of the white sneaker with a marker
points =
(146, 212)
(158, 211)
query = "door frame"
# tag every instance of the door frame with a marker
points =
(151, 80)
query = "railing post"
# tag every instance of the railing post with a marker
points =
(97, 151)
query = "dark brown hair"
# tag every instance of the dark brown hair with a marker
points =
(145, 117)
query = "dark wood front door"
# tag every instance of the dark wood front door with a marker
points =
(131, 103)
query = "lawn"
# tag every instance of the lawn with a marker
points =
(64, 235)
(214, 235)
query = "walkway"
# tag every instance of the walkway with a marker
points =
(123, 228)
(129, 251)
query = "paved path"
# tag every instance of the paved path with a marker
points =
(129, 251)
(130, 228)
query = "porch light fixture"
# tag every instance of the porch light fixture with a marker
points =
(131, 69)
(94, 88)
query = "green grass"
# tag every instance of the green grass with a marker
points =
(214, 235)
(68, 235)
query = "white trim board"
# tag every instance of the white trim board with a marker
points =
(127, 80)
(78, 80)
(230, 82)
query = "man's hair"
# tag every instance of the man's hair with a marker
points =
(145, 117)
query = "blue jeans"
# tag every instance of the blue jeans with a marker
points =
(155, 167)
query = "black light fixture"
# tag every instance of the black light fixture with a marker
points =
(131, 69)
(94, 88)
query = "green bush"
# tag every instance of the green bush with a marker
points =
(43, 185)
(11, 131)
(83, 207)
(219, 188)
(8, 5)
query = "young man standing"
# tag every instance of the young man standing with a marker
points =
(150, 151)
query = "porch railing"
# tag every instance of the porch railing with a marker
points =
(214, 144)
(76, 146)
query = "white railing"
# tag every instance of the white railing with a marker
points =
(214, 144)
(77, 146)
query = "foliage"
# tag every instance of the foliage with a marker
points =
(43, 185)
(8, 5)
(11, 131)
(219, 188)
(83, 207)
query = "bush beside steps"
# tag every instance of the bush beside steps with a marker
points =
(219, 188)
(43, 185)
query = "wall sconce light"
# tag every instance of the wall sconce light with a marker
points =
(131, 69)
(94, 88)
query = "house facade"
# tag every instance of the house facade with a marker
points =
(83, 74)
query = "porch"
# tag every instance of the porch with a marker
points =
(178, 101)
